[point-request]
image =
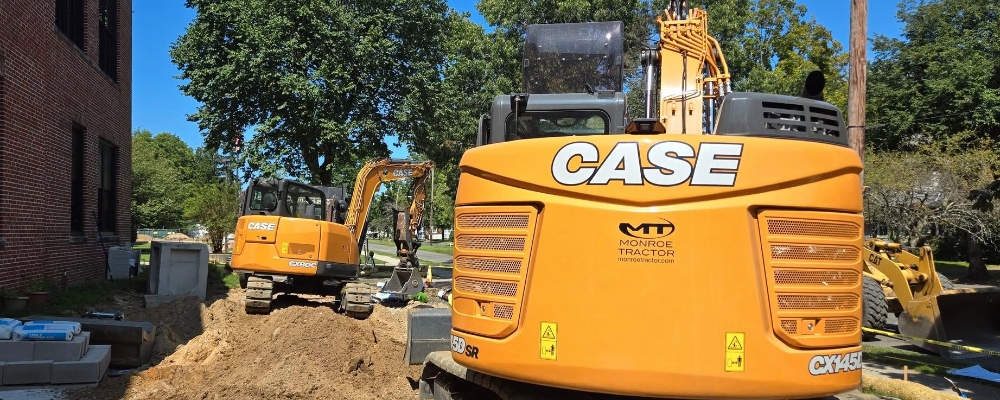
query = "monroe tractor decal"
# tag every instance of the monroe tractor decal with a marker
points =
(835, 363)
(673, 163)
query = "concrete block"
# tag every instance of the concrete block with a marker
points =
(131, 341)
(178, 269)
(17, 350)
(90, 369)
(27, 372)
(86, 340)
(1, 372)
(70, 350)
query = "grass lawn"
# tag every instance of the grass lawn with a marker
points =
(437, 247)
(958, 270)
(76, 300)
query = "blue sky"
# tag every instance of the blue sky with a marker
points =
(159, 106)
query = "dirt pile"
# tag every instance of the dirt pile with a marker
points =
(302, 350)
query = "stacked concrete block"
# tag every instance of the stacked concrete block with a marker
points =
(26, 360)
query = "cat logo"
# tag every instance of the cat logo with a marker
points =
(714, 164)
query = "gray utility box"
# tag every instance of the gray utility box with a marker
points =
(119, 259)
(178, 269)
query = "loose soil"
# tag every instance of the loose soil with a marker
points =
(302, 350)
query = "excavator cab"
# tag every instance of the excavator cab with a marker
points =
(284, 198)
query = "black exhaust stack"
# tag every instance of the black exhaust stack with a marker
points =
(813, 88)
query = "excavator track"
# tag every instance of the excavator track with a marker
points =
(356, 300)
(258, 295)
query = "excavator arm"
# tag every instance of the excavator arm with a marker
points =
(367, 183)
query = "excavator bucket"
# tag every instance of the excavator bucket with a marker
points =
(406, 280)
(967, 317)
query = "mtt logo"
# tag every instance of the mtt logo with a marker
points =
(262, 226)
(400, 172)
(647, 230)
(715, 164)
(835, 363)
(303, 264)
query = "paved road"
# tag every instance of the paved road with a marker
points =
(423, 255)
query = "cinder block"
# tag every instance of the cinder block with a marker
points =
(70, 350)
(1, 372)
(90, 369)
(86, 340)
(27, 372)
(16, 350)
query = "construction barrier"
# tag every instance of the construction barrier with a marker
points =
(944, 344)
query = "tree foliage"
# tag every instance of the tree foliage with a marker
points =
(214, 205)
(157, 195)
(319, 80)
(940, 79)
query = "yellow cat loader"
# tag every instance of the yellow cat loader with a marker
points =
(926, 303)
(287, 243)
(712, 250)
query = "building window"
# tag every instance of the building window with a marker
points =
(108, 37)
(76, 192)
(69, 20)
(107, 175)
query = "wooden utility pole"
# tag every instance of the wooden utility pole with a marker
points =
(857, 79)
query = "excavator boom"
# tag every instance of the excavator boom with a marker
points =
(371, 175)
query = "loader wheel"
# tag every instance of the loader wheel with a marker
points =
(875, 309)
(356, 300)
(946, 283)
(258, 295)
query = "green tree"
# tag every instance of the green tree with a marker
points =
(157, 195)
(215, 207)
(319, 80)
(940, 79)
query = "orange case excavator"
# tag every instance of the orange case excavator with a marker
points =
(288, 240)
(711, 249)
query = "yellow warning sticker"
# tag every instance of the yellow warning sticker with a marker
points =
(284, 248)
(735, 352)
(549, 337)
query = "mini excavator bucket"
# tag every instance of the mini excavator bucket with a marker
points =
(931, 308)
(405, 280)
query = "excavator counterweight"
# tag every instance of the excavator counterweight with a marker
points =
(710, 248)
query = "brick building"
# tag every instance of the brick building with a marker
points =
(65, 137)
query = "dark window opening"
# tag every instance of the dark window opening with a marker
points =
(76, 187)
(538, 124)
(108, 38)
(69, 20)
(106, 187)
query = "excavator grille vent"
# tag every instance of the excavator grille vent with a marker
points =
(841, 325)
(492, 252)
(501, 243)
(816, 277)
(503, 311)
(494, 288)
(790, 325)
(817, 302)
(812, 228)
(506, 266)
(812, 262)
(494, 221)
(814, 252)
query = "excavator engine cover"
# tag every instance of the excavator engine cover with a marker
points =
(969, 317)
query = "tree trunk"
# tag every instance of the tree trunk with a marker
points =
(977, 267)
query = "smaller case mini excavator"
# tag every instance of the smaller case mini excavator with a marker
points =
(288, 241)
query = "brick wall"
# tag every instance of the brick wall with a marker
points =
(47, 84)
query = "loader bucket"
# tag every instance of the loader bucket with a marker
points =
(968, 317)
